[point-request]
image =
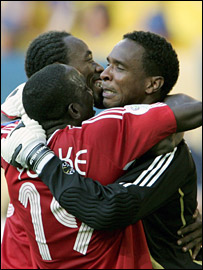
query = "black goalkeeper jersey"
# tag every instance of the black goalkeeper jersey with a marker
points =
(162, 191)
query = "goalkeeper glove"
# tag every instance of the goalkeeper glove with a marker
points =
(13, 105)
(25, 146)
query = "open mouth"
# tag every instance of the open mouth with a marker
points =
(107, 93)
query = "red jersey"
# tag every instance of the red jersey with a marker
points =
(102, 148)
(15, 247)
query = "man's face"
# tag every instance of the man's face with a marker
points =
(80, 57)
(124, 80)
(83, 92)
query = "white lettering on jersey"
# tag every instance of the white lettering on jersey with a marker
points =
(10, 210)
(83, 238)
(67, 158)
(80, 161)
(28, 192)
(62, 215)
(85, 232)
(31, 174)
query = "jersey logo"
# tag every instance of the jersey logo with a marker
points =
(67, 169)
(75, 163)
(137, 109)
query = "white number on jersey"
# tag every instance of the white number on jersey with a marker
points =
(28, 192)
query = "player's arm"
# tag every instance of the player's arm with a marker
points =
(188, 115)
(98, 206)
(166, 145)
(187, 111)
(191, 116)
(114, 205)
(101, 207)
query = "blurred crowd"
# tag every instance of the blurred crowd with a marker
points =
(101, 24)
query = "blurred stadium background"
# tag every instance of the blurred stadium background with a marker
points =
(101, 24)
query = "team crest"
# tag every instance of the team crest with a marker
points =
(67, 169)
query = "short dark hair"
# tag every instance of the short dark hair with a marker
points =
(159, 58)
(46, 49)
(48, 93)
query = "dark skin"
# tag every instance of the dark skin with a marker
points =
(122, 87)
(84, 62)
(76, 112)
(192, 230)
(91, 70)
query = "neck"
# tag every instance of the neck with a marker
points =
(51, 126)
(152, 98)
(51, 130)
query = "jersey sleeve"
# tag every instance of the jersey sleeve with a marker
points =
(124, 134)
(135, 195)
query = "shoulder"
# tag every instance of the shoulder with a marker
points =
(114, 113)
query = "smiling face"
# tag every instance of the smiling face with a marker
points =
(124, 80)
(80, 57)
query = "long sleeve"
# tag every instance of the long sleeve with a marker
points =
(140, 192)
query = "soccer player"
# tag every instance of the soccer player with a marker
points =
(60, 99)
(47, 48)
(109, 224)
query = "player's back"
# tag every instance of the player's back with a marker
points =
(15, 247)
(58, 239)
(101, 149)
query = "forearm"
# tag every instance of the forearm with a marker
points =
(100, 207)
(165, 146)
(111, 206)
(187, 111)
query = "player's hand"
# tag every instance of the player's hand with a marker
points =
(16, 147)
(13, 105)
(192, 235)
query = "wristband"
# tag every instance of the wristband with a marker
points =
(38, 157)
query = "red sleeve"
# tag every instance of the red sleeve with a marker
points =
(125, 134)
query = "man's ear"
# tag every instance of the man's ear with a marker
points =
(74, 110)
(154, 84)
